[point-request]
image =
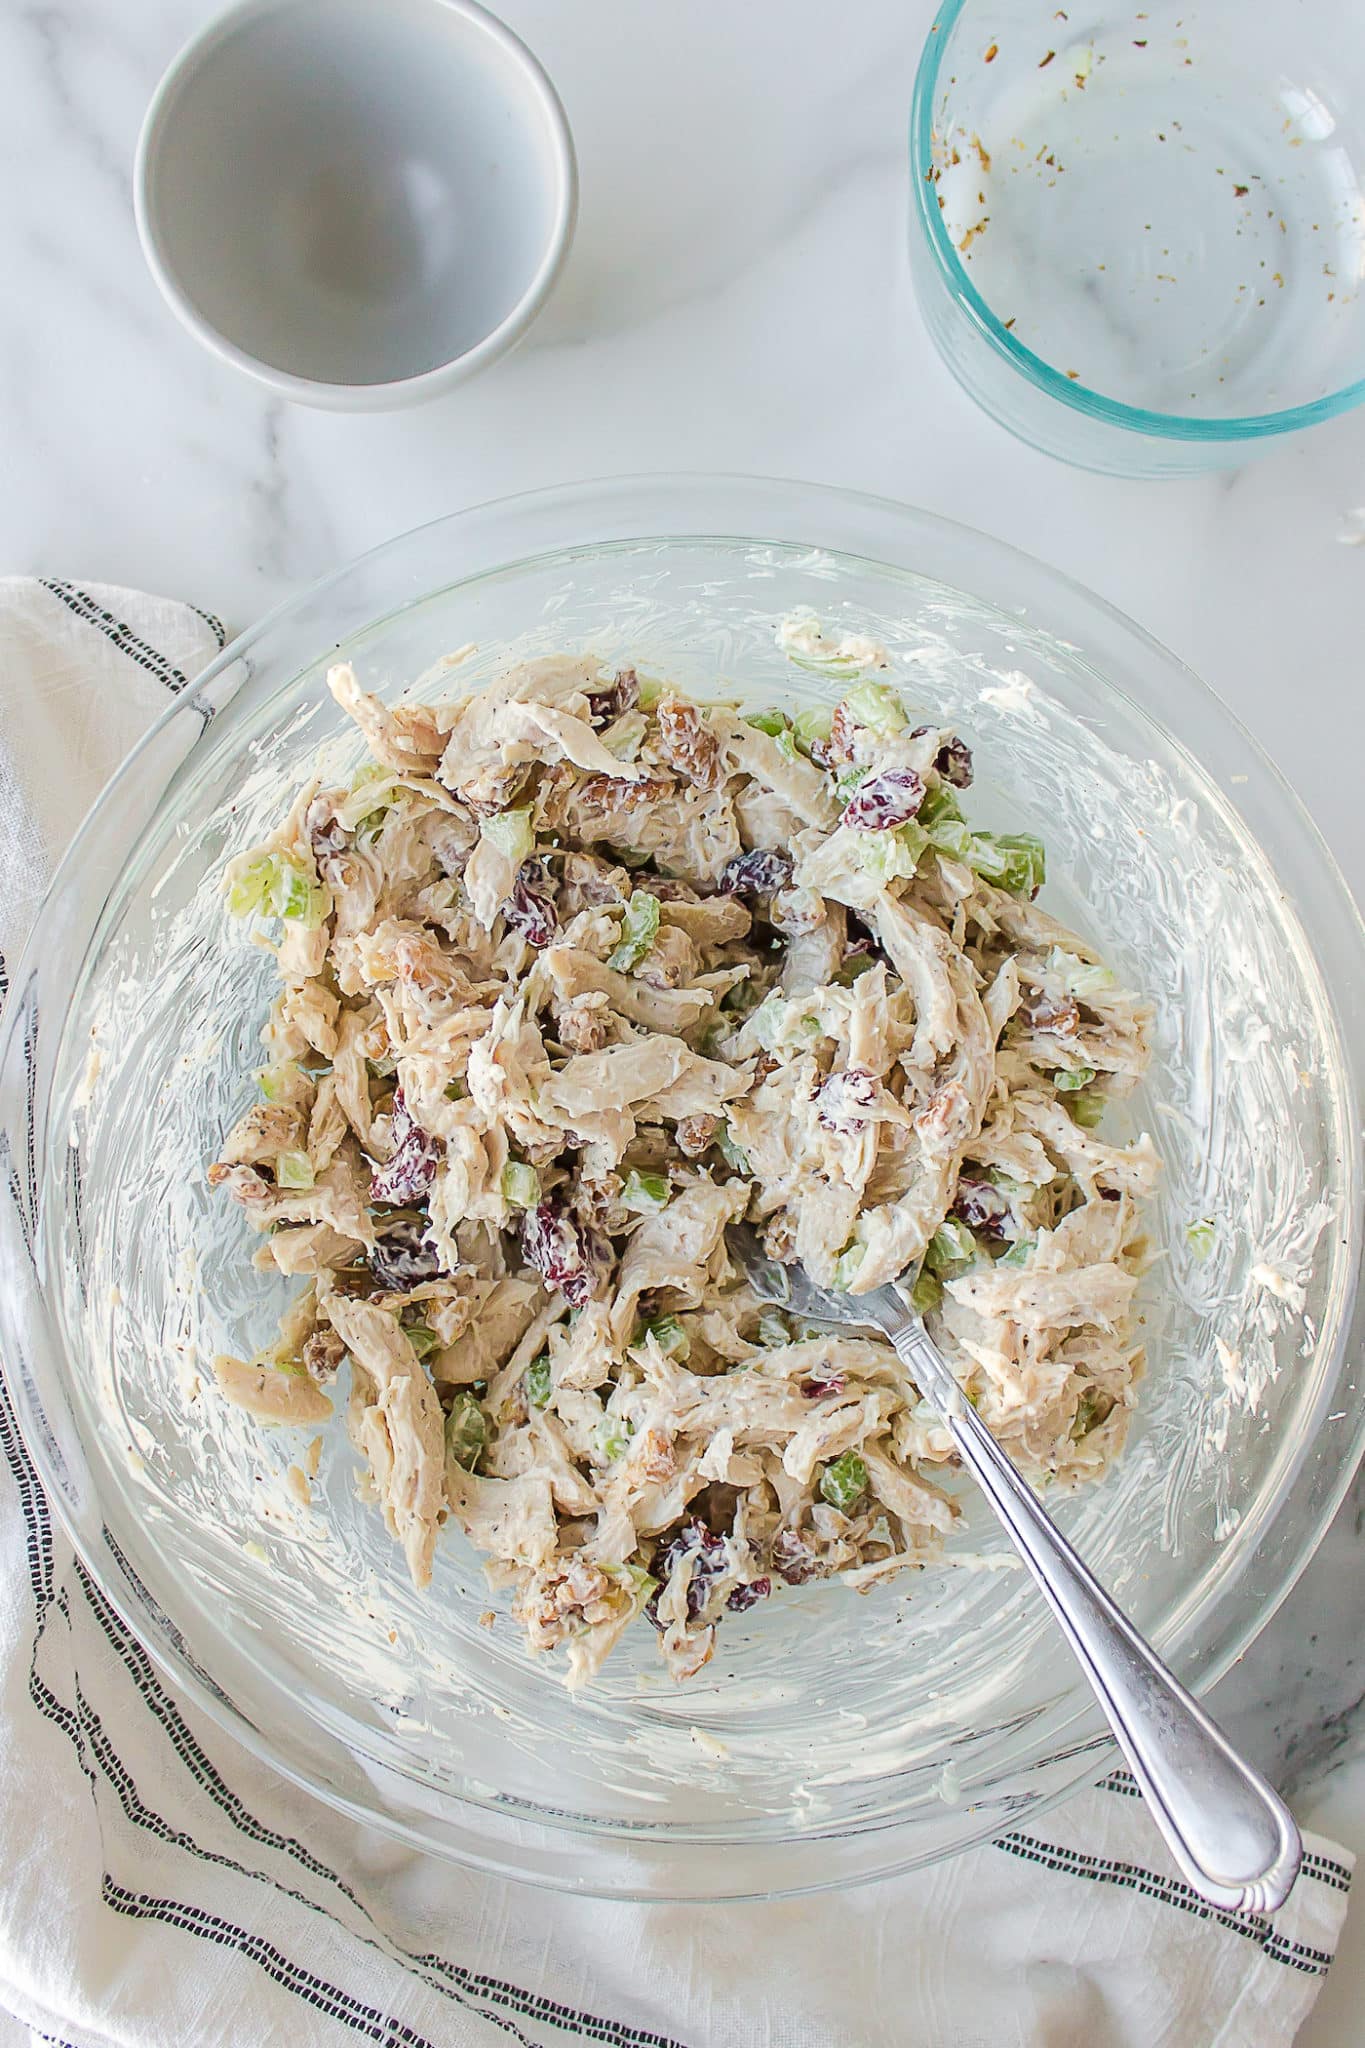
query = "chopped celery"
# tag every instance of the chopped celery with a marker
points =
(927, 1293)
(877, 706)
(1019, 1252)
(951, 1245)
(466, 1431)
(940, 818)
(612, 1437)
(810, 727)
(740, 998)
(848, 782)
(538, 1380)
(952, 838)
(455, 1091)
(765, 1023)
(844, 1482)
(786, 745)
(422, 1339)
(645, 1192)
(274, 886)
(299, 898)
(940, 807)
(1066, 1079)
(650, 691)
(520, 1185)
(1201, 1237)
(1093, 1408)
(278, 1083)
(634, 1579)
(772, 1329)
(1083, 978)
(639, 929)
(730, 1152)
(1086, 1108)
(293, 1170)
(889, 856)
(371, 825)
(512, 833)
(851, 966)
(625, 736)
(846, 1267)
(1015, 860)
(670, 1336)
(249, 891)
(770, 722)
(630, 856)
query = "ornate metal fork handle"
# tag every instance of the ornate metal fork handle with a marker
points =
(1230, 1833)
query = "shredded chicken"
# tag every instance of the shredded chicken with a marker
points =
(574, 975)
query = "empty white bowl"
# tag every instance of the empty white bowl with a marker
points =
(357, 204)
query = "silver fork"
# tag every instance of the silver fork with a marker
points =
(1231, 1834)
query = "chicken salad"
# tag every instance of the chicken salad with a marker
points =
(575, 972)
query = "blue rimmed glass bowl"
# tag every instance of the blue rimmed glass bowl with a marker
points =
(1138, 233)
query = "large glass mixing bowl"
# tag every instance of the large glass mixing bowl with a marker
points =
(834, 1737)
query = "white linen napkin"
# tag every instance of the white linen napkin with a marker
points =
(160, 1886)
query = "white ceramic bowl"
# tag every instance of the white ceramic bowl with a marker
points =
(358, 205)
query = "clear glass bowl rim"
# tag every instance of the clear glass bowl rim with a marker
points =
(856, 525)
(1052, 383)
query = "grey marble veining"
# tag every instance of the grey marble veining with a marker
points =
(1296, 1700)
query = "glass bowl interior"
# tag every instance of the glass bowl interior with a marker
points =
(832, 1736)
(1154, 216)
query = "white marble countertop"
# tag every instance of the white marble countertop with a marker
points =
(737, 299)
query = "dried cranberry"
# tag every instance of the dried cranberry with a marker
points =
(623, 696)
(840, 1096)
(891, 798)
(749, 1596)
(711, 1561)
(793, 1559)
(416, 1155)
(982, 1207)
(401, 1257)
(823, 1384)
(954, 763)
(530, 909)
(567, 1254)
(758, 873)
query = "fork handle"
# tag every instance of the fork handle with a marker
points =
(1230, 1833)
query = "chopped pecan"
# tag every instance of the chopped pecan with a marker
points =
(323, 1353)
(688, 744)
(583, 1025)
(604, 796)
(1058, 1015)
(495, 787)
(653, 1457)
(595, 1200)
(695, 1133)
(779, 1239)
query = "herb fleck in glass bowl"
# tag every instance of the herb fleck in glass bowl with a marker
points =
(1138, 233)
(833, 1738)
